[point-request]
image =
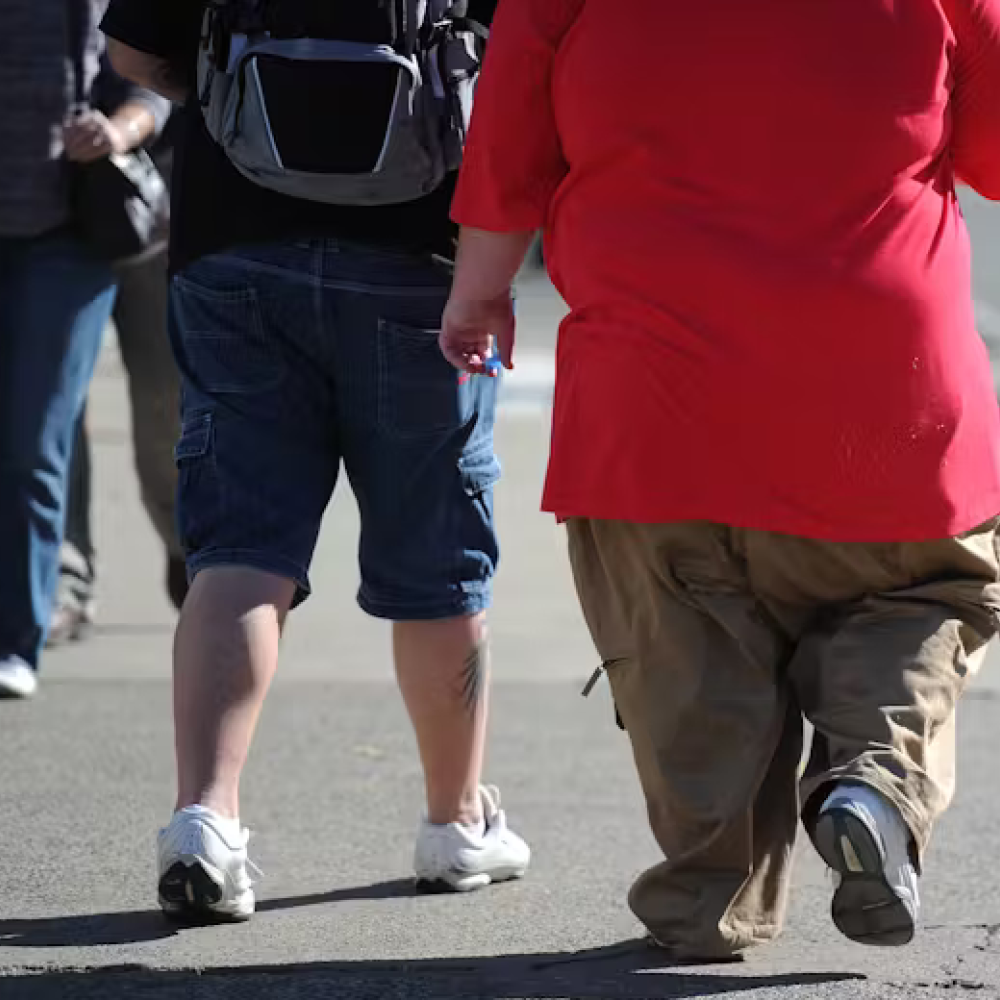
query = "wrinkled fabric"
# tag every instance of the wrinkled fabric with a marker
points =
(718, 642)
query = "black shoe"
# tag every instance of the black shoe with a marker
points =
(177, 581)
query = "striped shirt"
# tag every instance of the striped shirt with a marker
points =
(36, 81)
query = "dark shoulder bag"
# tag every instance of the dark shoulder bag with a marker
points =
(121, 206)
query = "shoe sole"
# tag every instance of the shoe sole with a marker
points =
(469, 883)
(865, 907)
(190, 896)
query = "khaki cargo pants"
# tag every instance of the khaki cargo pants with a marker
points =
(718, 642)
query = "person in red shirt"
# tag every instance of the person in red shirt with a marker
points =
(775, 437)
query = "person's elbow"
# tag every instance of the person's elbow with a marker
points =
(150, 71)
(131, 63)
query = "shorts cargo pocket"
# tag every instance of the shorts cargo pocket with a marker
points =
(224, 340)
(198, 496)
(419, 391)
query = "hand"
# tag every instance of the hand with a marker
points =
(472, 330)
(92, 136)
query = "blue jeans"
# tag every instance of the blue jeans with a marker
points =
(55, 300)
(298, 358)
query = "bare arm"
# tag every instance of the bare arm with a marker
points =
(514, 164)
(136, 123)
(479, 317)
(93, 136)
(488, 263)
(149, 71)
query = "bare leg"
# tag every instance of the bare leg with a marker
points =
(225, 655)
(443, 670)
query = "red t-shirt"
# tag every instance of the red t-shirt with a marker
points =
(750, 207)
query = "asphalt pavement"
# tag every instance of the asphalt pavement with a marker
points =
(333, 793)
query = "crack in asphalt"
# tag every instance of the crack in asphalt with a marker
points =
(954, 983)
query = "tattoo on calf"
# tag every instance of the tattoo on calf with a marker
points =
(474, 674)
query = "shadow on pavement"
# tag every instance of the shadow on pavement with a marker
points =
(629, 971)
(400, 888)
(135, 926)
(85, 931)
(632, 970)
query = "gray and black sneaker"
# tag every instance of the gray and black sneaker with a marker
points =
(203, 865)
(866, 842)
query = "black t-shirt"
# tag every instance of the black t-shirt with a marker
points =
(214, 206)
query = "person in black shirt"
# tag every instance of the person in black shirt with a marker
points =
(306, 336)
(214, 207)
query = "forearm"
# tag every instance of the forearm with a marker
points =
(149, 71)
(488, 262)
(135, 122)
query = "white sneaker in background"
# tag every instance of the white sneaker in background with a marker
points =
(864, 839)
(458, 859)
(203, 868)
(17, 679)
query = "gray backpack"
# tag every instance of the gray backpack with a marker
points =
(342, 122)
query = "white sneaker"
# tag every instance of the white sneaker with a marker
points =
(458, 859)
(203, 868)
(867, 843)
(17, 679)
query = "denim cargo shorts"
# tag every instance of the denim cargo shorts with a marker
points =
(300, 357)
